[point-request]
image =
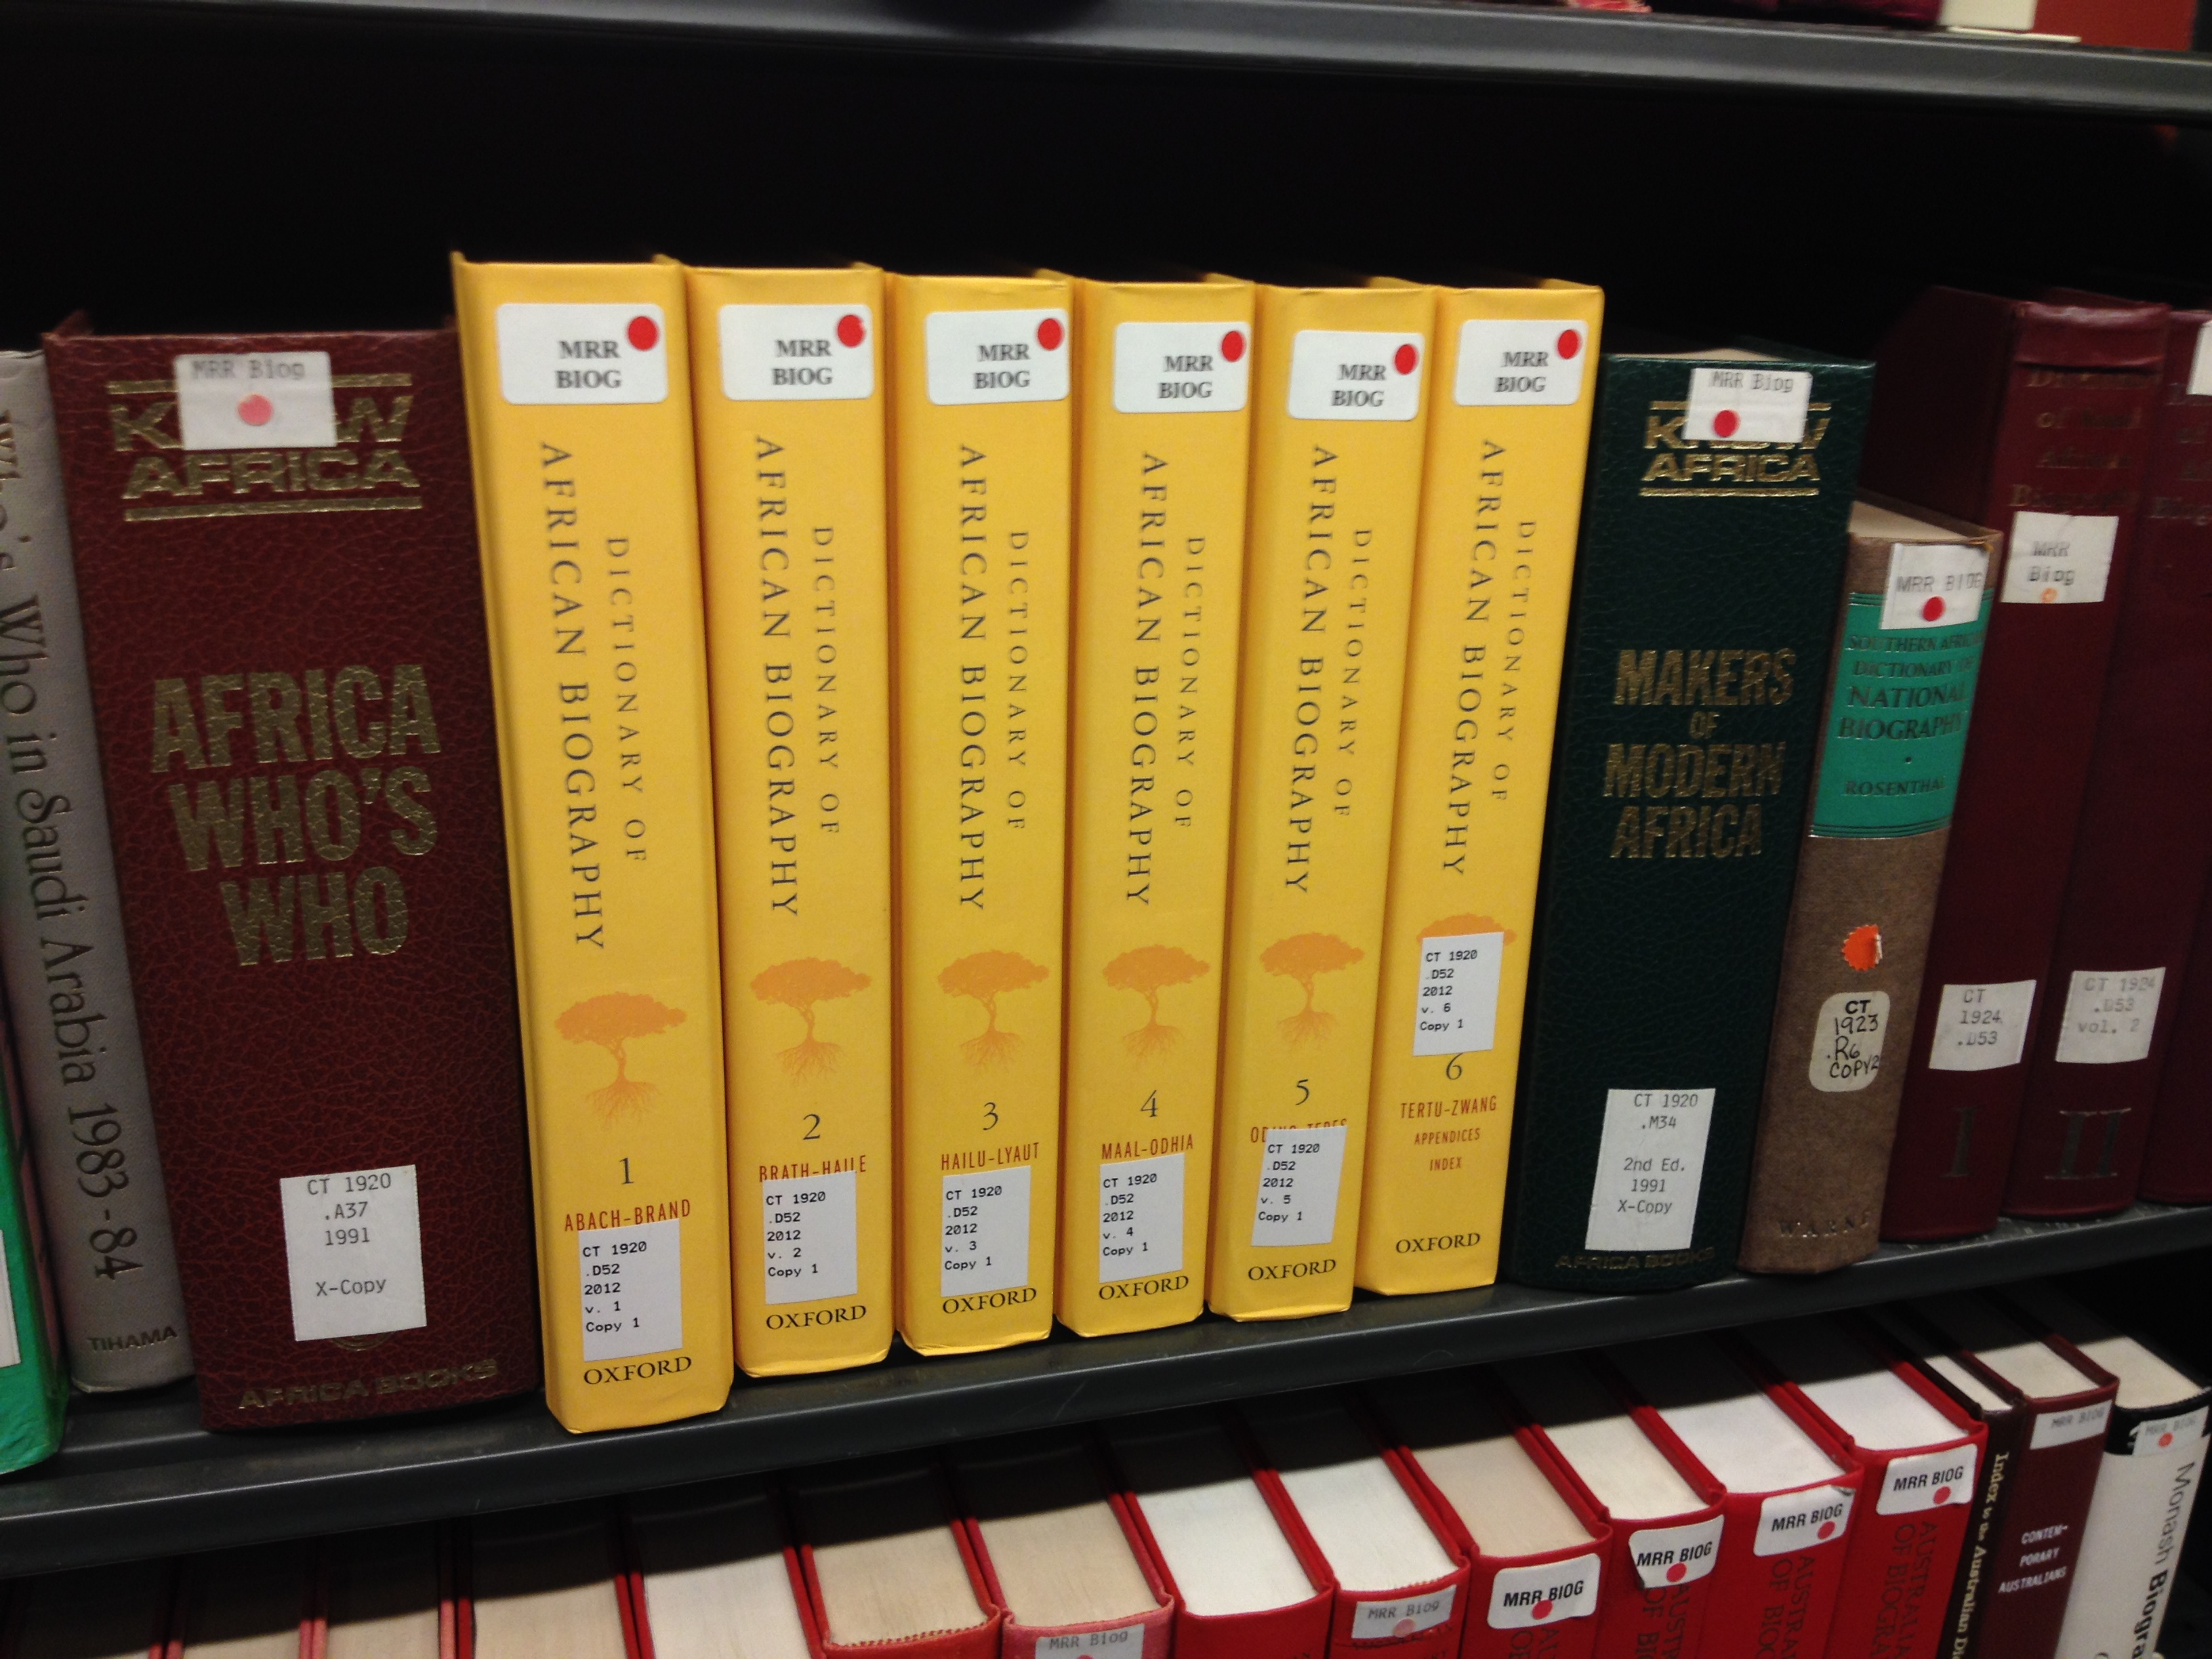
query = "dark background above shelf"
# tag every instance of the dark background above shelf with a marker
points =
(1447, 39)
(139, 1477)
(357, 156)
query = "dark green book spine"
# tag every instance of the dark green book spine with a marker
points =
(1705, 597)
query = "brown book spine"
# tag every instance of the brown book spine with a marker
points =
(1908, 651)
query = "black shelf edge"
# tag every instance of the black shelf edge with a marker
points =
(1447, 39)
(139, 1477)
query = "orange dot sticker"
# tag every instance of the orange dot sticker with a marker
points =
(1862, 947)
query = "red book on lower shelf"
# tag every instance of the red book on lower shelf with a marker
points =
(703, 1560)
(1399, 1576)
(1534, 1541)
(284, 626)
(1791, 1488)
(1920, 1453)
(890, 1569)
(1058, 1551)
(1248, 1582)
(2144, 843)
(1663, 1506)
(2033, 418)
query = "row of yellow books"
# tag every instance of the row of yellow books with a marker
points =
(955, 771)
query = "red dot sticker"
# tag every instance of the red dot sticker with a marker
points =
(1677, 1573)
(851, 331)
(2166, 1440)
(1542, 1609)
(1233, 346)
(1409, 359)
(1403, 1627)
(1942, 1494)
(256, 410)
(1050, 334)
(1828, 1528)
(644, 333)
(1571, 341)
(1725, 423)
(1933, 611)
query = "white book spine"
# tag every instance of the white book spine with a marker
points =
(2131, 1549)
(61, 955)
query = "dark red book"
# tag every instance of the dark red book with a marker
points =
(2177, 1164)
(277, 552)
(2144, 843)
(2033, 418)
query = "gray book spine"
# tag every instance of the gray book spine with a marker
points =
(62, 954)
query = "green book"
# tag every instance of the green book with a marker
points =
(33, 1387)
(1705, 594)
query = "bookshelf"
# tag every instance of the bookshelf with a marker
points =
(137, 1475)
(1702, 169)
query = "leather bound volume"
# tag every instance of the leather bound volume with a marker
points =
(2176, 1166)
(1705, 609)
(1917, 601)
(276, 562)
(2143, 845)
(2033, 418)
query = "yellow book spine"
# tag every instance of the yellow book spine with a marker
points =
(982, 451)
(579, 426)
(787, 378)
(1339, 411)
(1162, 443)
(1501, 504)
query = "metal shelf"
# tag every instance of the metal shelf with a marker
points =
(139, 1476)
(1447, 39)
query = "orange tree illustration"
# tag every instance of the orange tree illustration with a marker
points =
(1304, 958)
(1148, 970)
(611, 1021)
(985, 976)
(798, 985)
(1453, 927)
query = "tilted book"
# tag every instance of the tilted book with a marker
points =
(982, 438)
(68, 974)
(1713, 544)
(1162, 444)
(579, 419)
(1340, 402)
(1501, 500)
(1916, 608)
(2034, 419)
(2144, 843)
(788, 396)
(275, 553)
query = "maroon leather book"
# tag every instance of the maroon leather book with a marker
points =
(2144, 843)
(2033, 418)
(276, 551)
(2177, 1163)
